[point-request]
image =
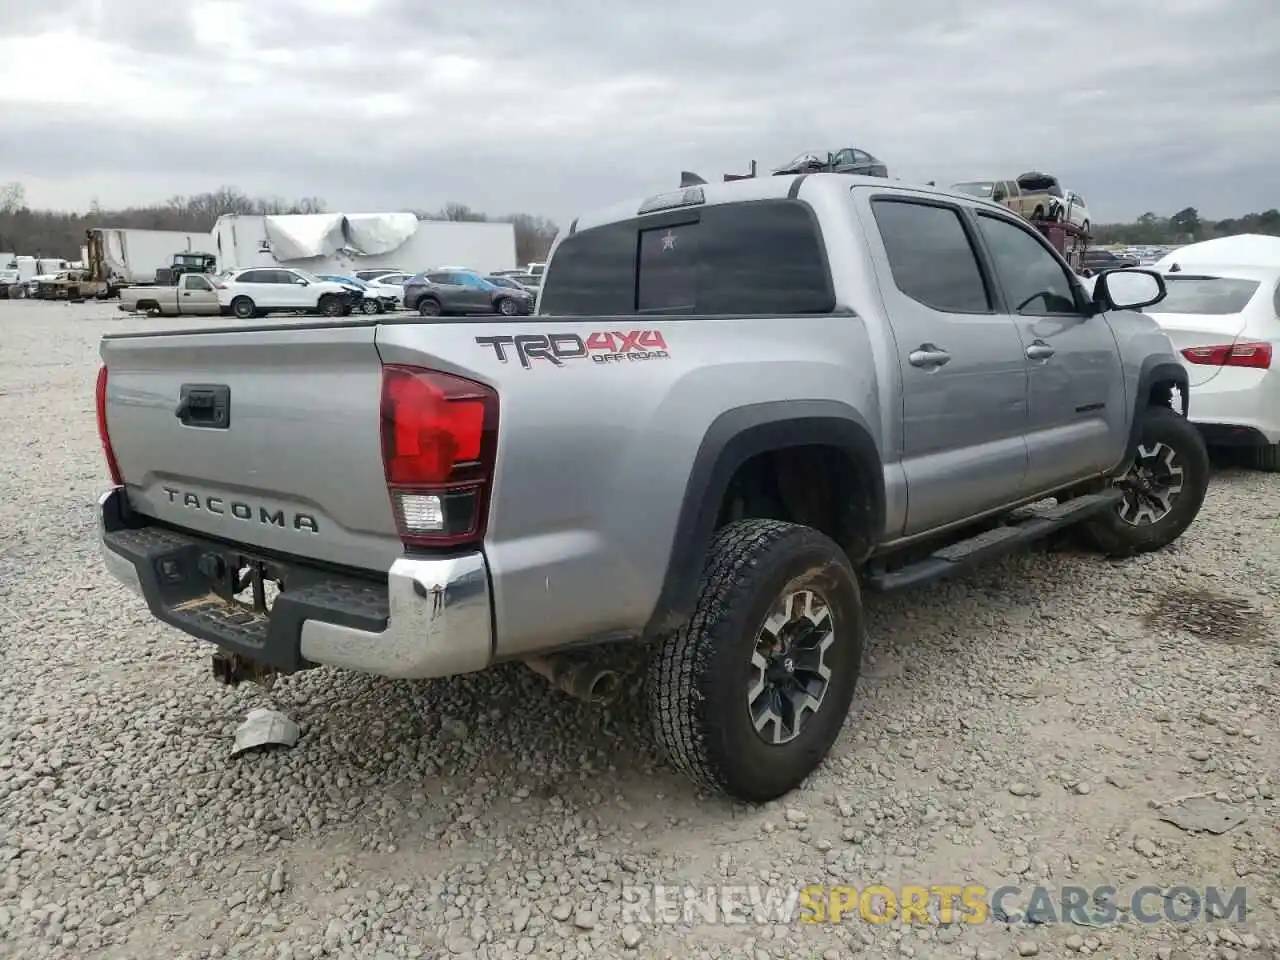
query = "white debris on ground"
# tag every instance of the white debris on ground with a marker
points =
(1021, 725)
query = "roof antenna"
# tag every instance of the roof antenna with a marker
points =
(690, 179)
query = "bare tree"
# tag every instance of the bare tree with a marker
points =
(12, 197)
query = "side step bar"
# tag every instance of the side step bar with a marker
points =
(1023, 527)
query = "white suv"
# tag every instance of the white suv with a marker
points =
(258, 291)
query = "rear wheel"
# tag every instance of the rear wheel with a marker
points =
(1267, 458)
(1164, 488)
(747, 698)
(243, 308)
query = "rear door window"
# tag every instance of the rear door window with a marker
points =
(930, 255)
(758, 258)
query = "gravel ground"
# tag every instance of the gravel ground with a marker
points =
(1017, 726)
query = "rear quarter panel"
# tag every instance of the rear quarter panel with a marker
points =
(595, 452)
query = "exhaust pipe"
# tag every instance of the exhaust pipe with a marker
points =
(578, 678)
(233, 669)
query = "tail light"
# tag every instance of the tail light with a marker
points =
(439, 442)
(1256, 356)
(101, 393)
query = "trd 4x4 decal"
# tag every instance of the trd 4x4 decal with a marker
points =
(602, 346)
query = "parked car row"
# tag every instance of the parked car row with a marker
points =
(259, 291)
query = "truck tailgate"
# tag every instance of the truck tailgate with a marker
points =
(296, 468)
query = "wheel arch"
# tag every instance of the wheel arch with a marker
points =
(1159, 375)
(733, 440)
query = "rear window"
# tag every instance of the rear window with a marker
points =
(761, 257)
(1210, 296)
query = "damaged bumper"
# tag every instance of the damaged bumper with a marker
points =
(428, 617)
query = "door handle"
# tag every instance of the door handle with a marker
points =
(928, 356)
(1039, 350)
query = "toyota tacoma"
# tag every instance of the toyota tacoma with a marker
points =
(739, 407)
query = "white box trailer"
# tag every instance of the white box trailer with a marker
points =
(26, 267)
(132, 257)
(338, 243)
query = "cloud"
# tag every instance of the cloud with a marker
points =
(557, 108)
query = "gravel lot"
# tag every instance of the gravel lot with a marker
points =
(1018, 726)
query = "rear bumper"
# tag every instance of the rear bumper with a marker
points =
(1232, 435)
(1238, 408)
(426, 618)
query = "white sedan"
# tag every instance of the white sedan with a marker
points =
(1225, 321)
(390, 285)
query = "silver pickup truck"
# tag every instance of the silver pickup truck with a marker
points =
(739, 406)
(192, 295)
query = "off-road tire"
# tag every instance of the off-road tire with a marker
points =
(242, 308)
(699, 676)
(429, 307)
(1112, 536)
(1267, 459)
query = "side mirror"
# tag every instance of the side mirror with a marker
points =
(1128, 289)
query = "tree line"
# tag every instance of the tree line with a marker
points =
(1185, 226)
(53, 233)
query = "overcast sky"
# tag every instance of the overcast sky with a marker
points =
(555, 107)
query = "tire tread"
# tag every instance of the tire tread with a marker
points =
(676, 704)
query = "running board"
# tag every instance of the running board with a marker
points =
(1023, 527)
